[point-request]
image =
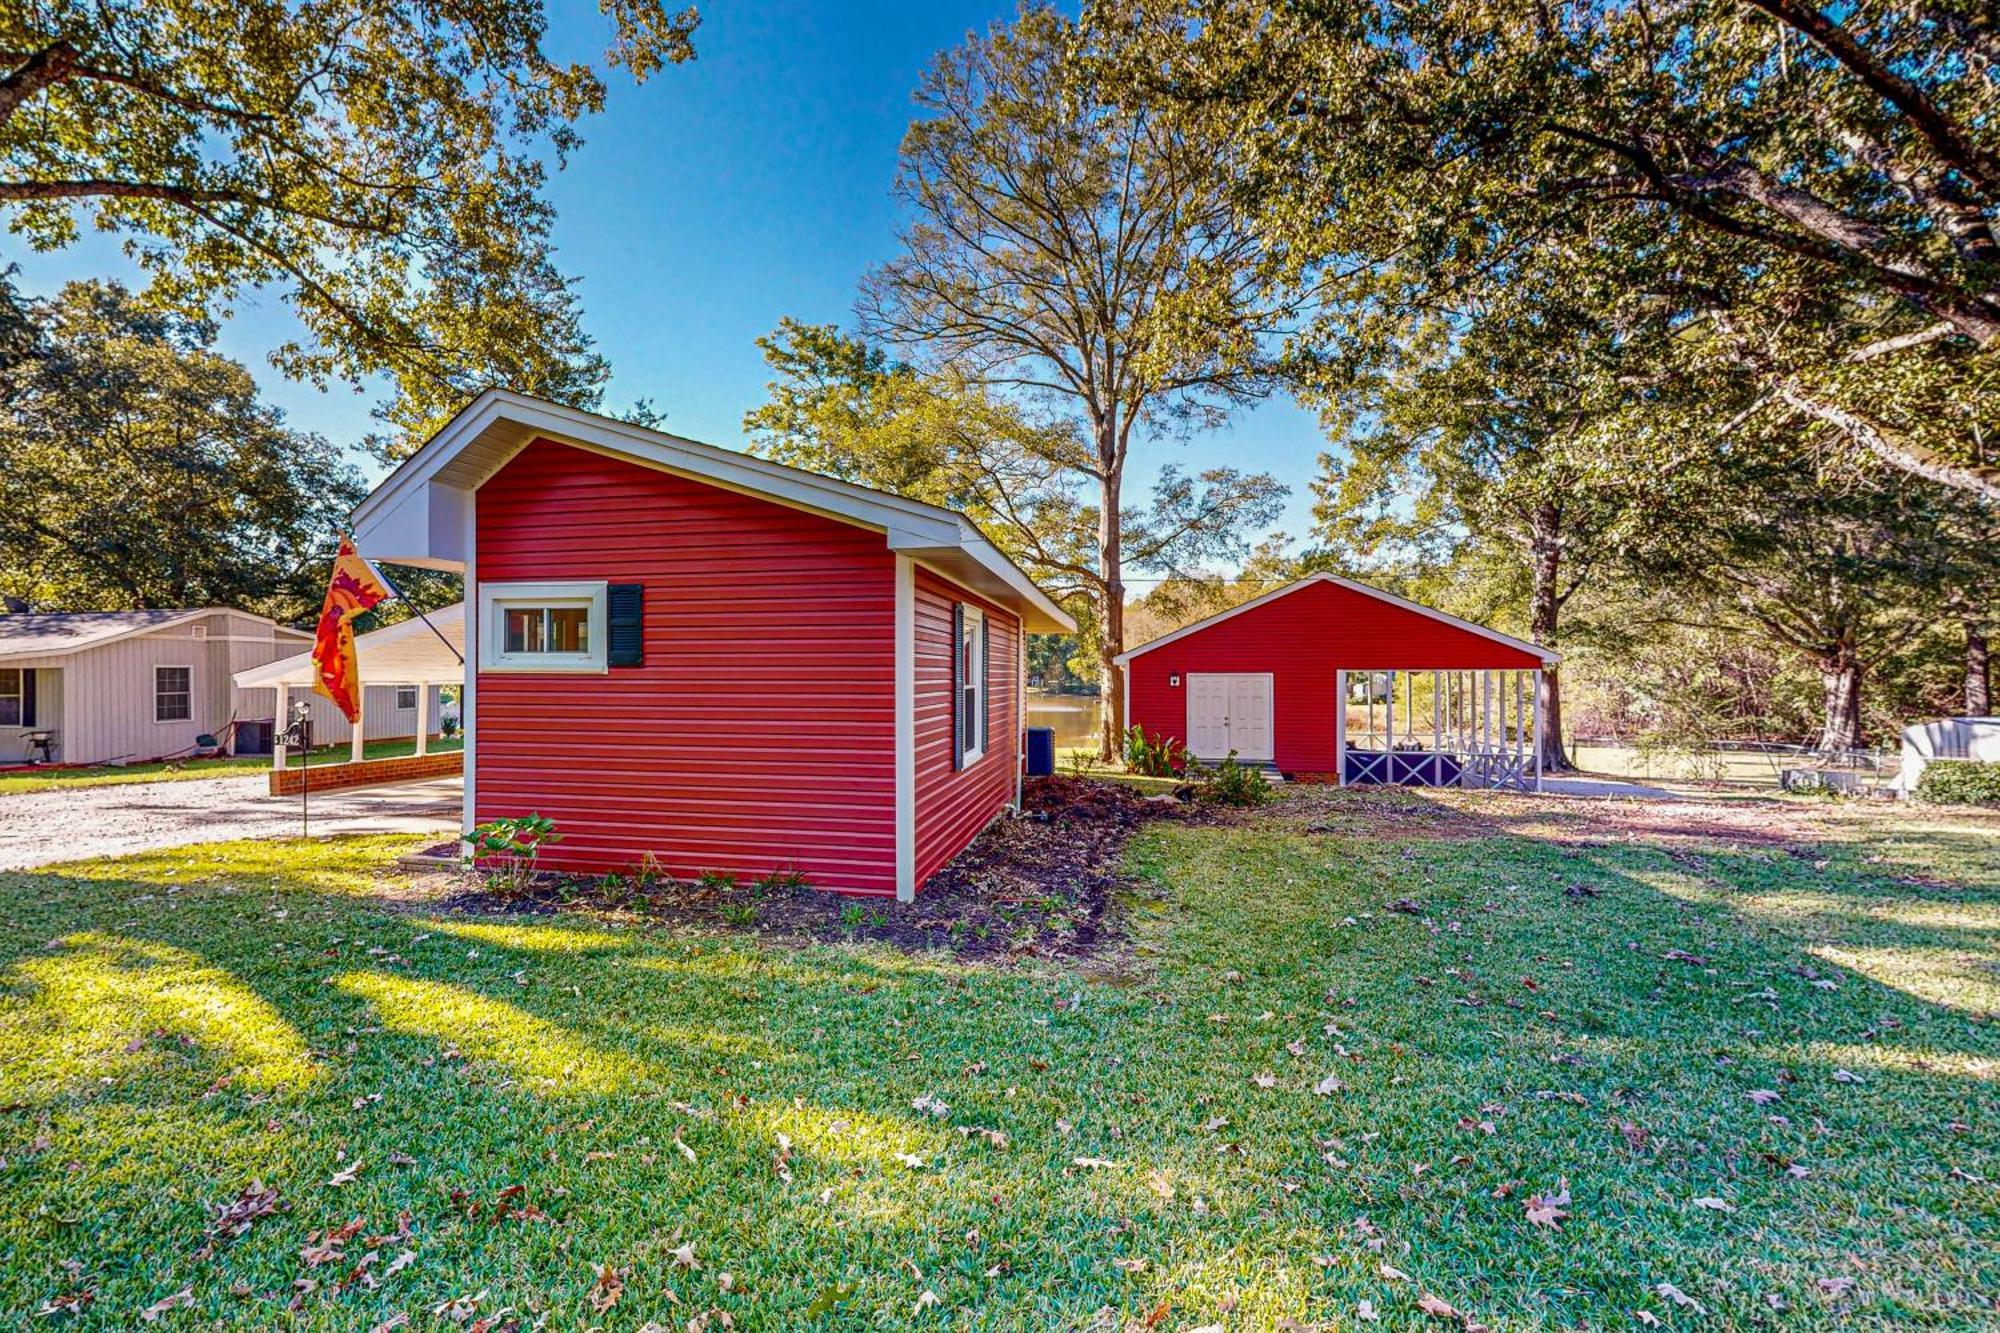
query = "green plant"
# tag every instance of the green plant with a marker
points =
(1153, 756)
(782, 881)
(1960, 782)
(1231, 783)
(739, 913)
(514, 842)
(1082, 762)
(716, 881)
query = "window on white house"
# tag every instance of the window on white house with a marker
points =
(173, 694)
(972, 683)
(406, 698)
(13, 697)
(542, 627)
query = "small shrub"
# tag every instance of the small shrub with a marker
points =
(739, 914)
(1153, 756)
(1231, 783)
(782, 881)
(1960, 782)
(514, 842)
(716, 881)
(1083, 763)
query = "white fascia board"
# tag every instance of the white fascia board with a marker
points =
(403, 511)
(1548, 655)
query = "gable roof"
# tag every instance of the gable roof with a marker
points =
(425, 502)
(52, 634)
(1546, 654)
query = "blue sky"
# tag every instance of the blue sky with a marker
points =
(750, 184)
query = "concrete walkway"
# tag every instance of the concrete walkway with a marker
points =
(43, 828)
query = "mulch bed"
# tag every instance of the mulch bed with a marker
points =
(1041, 885)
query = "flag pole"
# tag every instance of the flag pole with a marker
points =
(396, 593)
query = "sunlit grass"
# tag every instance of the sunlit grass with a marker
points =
(842, 1130)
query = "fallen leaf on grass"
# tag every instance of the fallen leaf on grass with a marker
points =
(1265, 1080)
(604, 1292)
(1714, 1204)
(346, 1174)
(1762, 1096)
(1436, 1307)
(1667, 1291)
(1548, 1210)
(1394, 1274)
(1835, 1286)
(179, 1300)
(1092, 1163)
(1847, 1076)
(1328, 1086)
(684, 1256)
(1365, 1311)
(399, 1263)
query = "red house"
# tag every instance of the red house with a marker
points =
(1327, 678)
(694, 659)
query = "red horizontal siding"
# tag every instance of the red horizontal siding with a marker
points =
(759, 734)
(952, 805)
(1302, 639)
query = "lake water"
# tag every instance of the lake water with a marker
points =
(1076, 718)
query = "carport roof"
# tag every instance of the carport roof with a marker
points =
(406, 653)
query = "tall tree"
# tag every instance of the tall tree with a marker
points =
(1465, 423)
(1840, 569)
(139, 469)
(381, 164)
(1775, 154)
(1067, 247)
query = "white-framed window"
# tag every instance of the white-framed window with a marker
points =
(406, 698)
(541, 627)
(13, 697)
(972, 681)
(173, 694)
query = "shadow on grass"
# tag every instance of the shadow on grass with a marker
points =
(645, 1091)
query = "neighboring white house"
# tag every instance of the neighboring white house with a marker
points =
(1954, 738)
(130, 686)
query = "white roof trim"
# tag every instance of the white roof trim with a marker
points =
(437, 665)
(911, 525)
(134, 631)
(1546, 654)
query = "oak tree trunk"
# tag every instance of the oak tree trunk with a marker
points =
(1978, 671)
(1111, 639)
(1544, 612)
(1840, 678)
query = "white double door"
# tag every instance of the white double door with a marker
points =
(1230, 711)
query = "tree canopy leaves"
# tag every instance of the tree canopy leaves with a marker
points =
(381, 164)
(138, 469)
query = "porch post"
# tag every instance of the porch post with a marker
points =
(358, 743)
(1538, 729)
(423, 720)
(278, 752)
(1340, 728)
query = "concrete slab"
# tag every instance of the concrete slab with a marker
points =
(45, 828)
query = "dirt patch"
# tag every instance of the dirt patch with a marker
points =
(1044, 884)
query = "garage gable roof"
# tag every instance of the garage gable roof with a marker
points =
(1522, 645)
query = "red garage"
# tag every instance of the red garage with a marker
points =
(697, 660)
(1331, 679)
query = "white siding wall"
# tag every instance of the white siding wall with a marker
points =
(14, 746)
(100, 701)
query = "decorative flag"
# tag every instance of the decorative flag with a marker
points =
(353, 589)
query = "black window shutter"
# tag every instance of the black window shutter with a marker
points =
(28, 697)
(957, 685)
(625, 616)
(985, 683)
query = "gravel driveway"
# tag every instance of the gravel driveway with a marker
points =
(41, 828)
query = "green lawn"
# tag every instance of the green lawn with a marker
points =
(107, 775)
(1285, 1101)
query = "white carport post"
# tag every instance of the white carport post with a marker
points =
(1340, 728)
(278, 753)
(423, 720)
(357, 748)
